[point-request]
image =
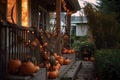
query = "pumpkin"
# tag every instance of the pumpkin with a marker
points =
(92, 59)
(14, 65)
(58, 64)
(65, 37)
(37, 68)
(31, 59)
(65, 51)
(46, 56)
(61, 60)
(45, 44)
(27, 68)
(72, 50)
(47, 65)
(53, 74)
(56, 67)
(35, 42)
(86, 58)
(55, 55)
(41, 65)
(66, 61)
(69, 51)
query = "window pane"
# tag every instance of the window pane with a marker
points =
(25, 13)
(11, 11)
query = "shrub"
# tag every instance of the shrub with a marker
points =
(107, 62)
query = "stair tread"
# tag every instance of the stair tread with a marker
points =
(72, 70)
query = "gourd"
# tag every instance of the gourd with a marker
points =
(52, 60)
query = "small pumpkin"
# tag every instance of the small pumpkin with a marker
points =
(69, 51)
(86, 58)
(14, 65)
(46, 56)
(72, 50)
(61, 60)
(27, 68)
(37, 68)
(66, 61)
(92, 59)
(47, 64)
(53, 74)
(45, 44)
(65, 51)
(65, 37)
(35, 42)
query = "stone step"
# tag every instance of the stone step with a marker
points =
(71, 73)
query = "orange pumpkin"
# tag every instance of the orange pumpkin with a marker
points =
(92, 59)
(66, 61)
(27, 68)
(35, 42)
(86, 58)
(58, 64)
(72, 50)
(45, 44)
(69, 51)
(41, 65)
(65, 51)
(65, 37)
(46, 56)
(53, 74)
(56, 67)
(61, 60)
(47, 65)
(14, 65)
(37, 68)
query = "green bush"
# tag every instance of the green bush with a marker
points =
(107, 63)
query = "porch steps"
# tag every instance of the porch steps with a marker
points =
(68, 72)
(72, 71)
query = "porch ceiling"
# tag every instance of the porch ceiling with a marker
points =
(50, 5)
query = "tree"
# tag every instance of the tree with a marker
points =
(104, 27)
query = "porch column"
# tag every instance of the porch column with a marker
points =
(58, 11)
(68, 28)
(58, 22)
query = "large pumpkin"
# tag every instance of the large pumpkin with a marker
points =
(27, 68)
(14, 65)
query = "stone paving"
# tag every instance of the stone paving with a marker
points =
(86, 72)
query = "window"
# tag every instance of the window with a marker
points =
(11, 11)
(42, 21)
(25, 14)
